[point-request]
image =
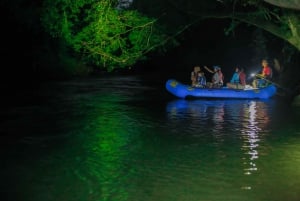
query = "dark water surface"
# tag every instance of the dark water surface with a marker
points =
(127, 139)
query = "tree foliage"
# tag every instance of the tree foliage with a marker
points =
(101, 33)
(292, 4)
(279, 21)
(278, 17)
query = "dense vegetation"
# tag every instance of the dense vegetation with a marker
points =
(77, 37)
(103, 33)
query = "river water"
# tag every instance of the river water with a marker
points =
(124, 138)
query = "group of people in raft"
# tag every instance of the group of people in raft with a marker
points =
(237, 81)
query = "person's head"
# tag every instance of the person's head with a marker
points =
(197, 68)
(264, 62)
(216, 68)
(237, 69)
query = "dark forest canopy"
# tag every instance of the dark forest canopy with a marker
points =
(282, 23)
(114, 34)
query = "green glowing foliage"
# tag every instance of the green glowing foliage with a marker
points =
(100, 34)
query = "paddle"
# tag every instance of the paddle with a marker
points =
(276, 84)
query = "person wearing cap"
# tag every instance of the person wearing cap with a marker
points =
(262, 78)
(217, 78)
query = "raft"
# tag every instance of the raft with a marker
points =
(181, 90)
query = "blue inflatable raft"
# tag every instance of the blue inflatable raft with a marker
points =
(184, 91)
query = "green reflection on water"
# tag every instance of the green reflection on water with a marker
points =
(108, 148)
(113, 159)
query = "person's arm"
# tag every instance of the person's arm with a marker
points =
(209, 70)
(221, 77)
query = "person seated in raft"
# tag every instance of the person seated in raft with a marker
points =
(238, 79)
(194, 75)
(243, 77)
(201, 80)
(261, 80)
(217, 78)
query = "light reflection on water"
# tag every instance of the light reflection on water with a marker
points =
(95, 140)
(251, 135)
(247, 120)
